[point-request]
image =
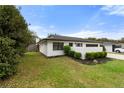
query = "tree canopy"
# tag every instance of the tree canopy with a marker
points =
(14, 38)
(14, 26)
(107, 40)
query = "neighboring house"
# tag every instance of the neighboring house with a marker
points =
(32, 47)
(53, 45)
(110, 46)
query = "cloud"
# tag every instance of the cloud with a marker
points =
(114, 10)
(93, 19)
(51, 26)
(41, 30)
(86, 33)
(98, 34)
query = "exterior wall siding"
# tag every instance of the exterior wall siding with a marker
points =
(83, 50)
(108, 47)
(122, 45)
(43, 48)
(51, 52)
(48, 49)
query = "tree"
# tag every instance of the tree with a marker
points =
(92, 38)
(103, 39)
(14, 38)
(13, 26)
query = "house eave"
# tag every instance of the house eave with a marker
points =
(46, 39)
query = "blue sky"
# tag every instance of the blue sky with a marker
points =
(77, 21)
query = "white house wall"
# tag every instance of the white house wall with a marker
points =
(122, 45)
(51, 52)
(43, 48)
(108, 47)
(82, 50)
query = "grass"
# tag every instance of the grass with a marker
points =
(35, 70)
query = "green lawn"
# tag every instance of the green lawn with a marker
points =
(35, 70)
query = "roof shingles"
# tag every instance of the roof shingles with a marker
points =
(67, 38)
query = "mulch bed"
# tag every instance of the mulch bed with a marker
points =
(91, 62)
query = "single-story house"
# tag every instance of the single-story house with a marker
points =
(53, 45)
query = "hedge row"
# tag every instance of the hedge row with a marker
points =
(95, 55)
(69, 52)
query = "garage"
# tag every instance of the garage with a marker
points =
(115, 46)
(110, 46)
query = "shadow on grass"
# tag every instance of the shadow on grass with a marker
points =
(91, 62)
(87, 62)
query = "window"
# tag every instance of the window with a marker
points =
(58, 45)
(101, 45)
(78, 44)
(91, 45)
(70, 44)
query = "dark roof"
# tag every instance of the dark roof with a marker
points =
(67, 38)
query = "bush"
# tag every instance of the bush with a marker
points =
(67, 49)
(105, 54)
(71, 53)
(101, 54)
(8, 58)
(6, 70)
(90, 55)
(77, 55)
(95, 55)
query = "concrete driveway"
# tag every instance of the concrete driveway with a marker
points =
(115, 56)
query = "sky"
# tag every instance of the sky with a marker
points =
(77, 21)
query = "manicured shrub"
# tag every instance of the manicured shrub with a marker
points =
(100, 54)
(95, 55)
(105, 54)
(90, 55)
(71, 53)
(8, 58)
(77, 55)
(67, 49)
